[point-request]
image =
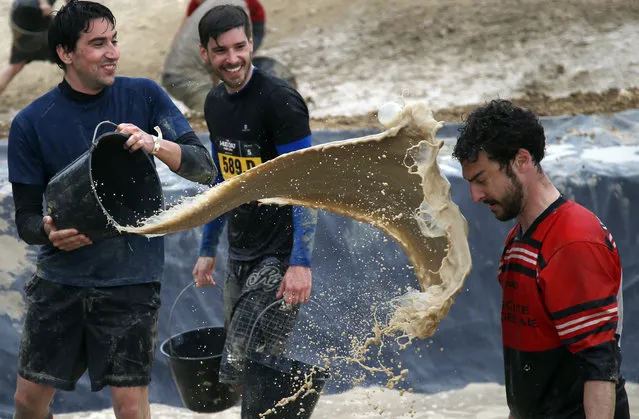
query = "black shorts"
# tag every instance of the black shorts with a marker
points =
(112, 331)
(27, 48)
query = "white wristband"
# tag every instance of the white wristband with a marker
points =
(156, 140)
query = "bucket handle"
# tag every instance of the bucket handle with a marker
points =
(186, 288)
(95, 132)
(281, 301)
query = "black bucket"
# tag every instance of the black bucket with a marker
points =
(105, 185)
(194, 359)
(27, 17)
(278, 385)
(270, 379)
(29, 27)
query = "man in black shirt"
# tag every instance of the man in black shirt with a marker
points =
(253, 117)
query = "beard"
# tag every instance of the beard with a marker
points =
(510, 203)
(236, 82)
(93, 77)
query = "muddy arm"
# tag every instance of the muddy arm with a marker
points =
(196, 163)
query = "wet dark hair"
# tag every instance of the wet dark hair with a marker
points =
(500, 129)
(69, 23)
(222, 19)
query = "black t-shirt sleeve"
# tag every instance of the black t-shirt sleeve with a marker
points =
(287, 116)
(601, 362)
(28, 203)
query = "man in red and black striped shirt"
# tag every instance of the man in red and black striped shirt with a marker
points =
(560, 273)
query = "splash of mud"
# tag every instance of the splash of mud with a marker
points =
(390, 180)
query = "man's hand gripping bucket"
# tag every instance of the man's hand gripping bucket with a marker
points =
(104, 187)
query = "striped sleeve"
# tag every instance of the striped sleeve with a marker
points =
(580, 284)
(520, 257)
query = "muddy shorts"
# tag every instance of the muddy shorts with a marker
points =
(111, 331)
(27, 48)
(253, 320)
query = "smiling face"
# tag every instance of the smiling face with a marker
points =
(91, 66)
(230, 58)
(495, 186)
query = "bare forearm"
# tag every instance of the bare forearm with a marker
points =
(170, 154)
(599, 399)
(185, 156)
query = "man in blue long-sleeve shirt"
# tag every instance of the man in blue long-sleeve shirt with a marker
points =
(252, 117)
(93, 302)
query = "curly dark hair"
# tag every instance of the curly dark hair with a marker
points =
(500, 129)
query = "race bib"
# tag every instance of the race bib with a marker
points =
(232, 166)
(237, 157)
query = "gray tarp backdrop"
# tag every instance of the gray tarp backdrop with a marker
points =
(355, 266)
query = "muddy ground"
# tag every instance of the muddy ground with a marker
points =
(576, 56)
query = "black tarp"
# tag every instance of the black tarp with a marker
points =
(591, 159)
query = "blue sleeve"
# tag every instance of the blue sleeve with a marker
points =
(165, 114)
(304, 223)
(212, 229)
(304, 219)
(24, 158)
(295, 145)
(211, 236)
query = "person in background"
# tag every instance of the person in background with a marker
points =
(29, 22)
(91, 304)
(185, 76)
(253, 117)
(560, 272)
